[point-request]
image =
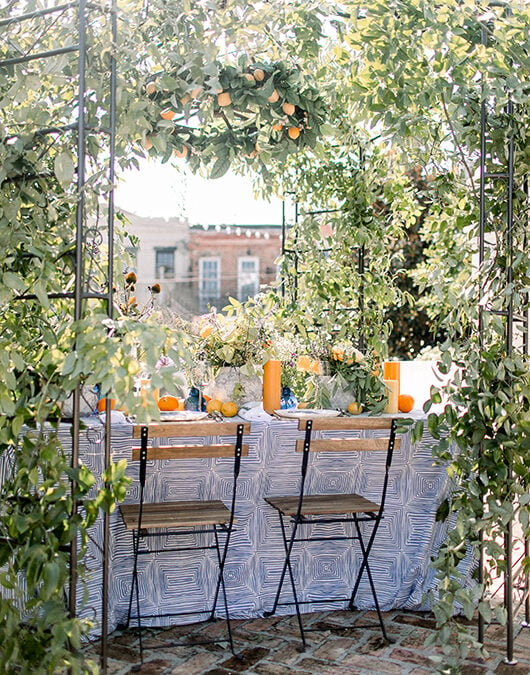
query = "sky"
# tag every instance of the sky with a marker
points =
(162, 190)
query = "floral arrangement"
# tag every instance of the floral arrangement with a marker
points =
(236, 338)
(338, 374)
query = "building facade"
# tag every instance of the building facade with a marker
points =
(232, 261)
(202, 266)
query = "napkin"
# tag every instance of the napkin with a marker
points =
(116, 417)
(253, 411)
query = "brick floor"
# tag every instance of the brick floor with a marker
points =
(336, 645)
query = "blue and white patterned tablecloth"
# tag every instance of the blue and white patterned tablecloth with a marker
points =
(184, 581)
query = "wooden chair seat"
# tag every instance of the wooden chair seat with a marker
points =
(318, 505)
(175, 514)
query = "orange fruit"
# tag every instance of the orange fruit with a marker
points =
(259, 75)
(168, 402)
(249, 77)
(167, 114)
(147, 143)
(278, 126)
(185, 99)
(405, 403)
(229, 409)
(102, 404)
(150, 88)
(183, 152)
(214, 404)
(293, 132)
(224, 99)
(355, 408)
(196, 92)
(273, 97)
(288, 108)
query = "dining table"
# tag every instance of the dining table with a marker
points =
(184, 581)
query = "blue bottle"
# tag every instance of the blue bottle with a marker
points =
(194, 402)
(287, 399)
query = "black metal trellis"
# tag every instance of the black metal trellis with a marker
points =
(515, 585)
(295, 254)
(87, 239)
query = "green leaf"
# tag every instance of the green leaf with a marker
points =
(64, 168)
(220, 167)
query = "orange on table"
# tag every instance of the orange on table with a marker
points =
(168, 402)
(355, 408)
(405, 403)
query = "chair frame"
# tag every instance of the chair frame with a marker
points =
(305, 509)
(141, 517)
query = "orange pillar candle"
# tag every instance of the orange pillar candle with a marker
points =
(392, 390)
(392, 371)
(272, 382)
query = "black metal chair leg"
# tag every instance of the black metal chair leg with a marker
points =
(288, 545)
(366, 566)
(221, 584)
(363, 564)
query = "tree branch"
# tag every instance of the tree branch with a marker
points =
(459, 147)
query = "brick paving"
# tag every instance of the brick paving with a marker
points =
(337, 644)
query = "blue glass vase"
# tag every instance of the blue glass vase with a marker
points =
(195, 401)
(287, 399)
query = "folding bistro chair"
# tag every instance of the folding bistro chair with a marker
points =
(151, 521)
(310, 509)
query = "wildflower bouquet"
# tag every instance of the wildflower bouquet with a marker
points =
(237, 338)
(342, 375)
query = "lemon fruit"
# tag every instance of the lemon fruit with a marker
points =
(229, 409)
(355, 408)
(214, 404)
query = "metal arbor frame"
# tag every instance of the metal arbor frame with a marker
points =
(516, 209)
(87, 238)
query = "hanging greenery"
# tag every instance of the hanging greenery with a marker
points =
(253, 112)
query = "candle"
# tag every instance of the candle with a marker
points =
(392, 387)
(392, 371)
(272, 380)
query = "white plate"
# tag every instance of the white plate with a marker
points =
(182, 415)
(304, 413)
